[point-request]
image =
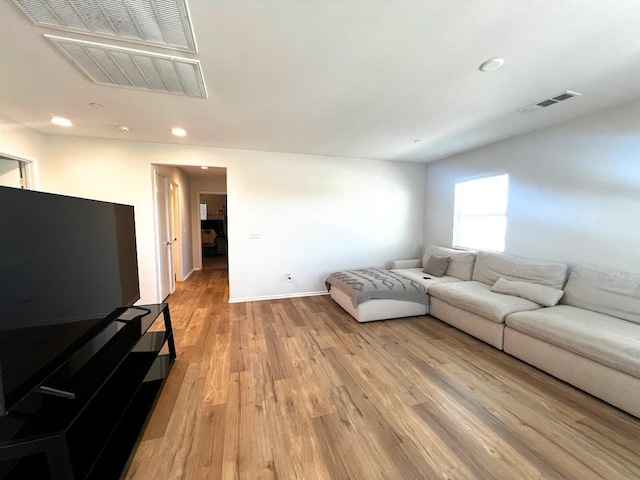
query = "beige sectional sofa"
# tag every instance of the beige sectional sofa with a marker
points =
(591, 339)
(474, 308)
(460, 267)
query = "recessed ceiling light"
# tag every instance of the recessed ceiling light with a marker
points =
(179, 132)
(492, 64)
(61, 122)
(96, 105)
(124, 128)
(204, 168)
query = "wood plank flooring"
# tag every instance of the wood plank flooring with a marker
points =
(296, 389)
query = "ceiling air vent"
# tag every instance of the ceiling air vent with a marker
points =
(160, 23)
(548, 102)
(125, 67)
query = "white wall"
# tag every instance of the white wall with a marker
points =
(215, 203)
(211, 184)
(574, 192)
(314, 214)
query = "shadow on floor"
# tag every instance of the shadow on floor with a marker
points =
(218, 262)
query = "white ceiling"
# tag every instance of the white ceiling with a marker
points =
(347, 78)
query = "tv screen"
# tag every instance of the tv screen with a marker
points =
(65, 264)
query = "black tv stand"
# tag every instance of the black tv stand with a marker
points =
(85, 419)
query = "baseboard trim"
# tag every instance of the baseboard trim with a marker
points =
(277, 297)
(188, 274)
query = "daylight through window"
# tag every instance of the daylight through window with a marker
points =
(480, 213)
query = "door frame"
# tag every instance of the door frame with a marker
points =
(199, 237)
(175, 213)
(27, 170)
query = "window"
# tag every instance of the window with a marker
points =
(480, 213)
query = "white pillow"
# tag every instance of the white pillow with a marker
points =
(540, 294)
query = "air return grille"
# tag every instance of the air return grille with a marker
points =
(109, 65)
(547, 102)
(162, 23)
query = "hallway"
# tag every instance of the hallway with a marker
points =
(217, 262)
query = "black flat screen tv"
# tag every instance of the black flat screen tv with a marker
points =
(65, 264)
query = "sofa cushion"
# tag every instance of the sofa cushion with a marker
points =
(460, 261)
(490, 266)
(477, 297)
(413, 263)
(437, 265)
(540, 294)
(604, 291)
(418, 275)
(601, 338)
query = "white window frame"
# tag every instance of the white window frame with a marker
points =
(467, 213)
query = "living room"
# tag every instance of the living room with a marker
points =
(572, 198)
(574, 181)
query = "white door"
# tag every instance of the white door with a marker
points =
(166, 280)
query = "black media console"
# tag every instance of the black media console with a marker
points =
(85, 419)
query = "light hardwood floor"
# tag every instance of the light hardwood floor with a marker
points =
(296, 389)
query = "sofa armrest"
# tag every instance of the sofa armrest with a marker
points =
(413, 263)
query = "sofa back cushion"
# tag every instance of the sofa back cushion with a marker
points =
(490, 266)
(460, 261)
(604, 291)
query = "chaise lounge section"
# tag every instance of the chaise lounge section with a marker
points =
(377, 294)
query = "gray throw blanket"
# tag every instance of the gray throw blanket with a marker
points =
(371, 283)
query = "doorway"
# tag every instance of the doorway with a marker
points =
(213, 230)
(178, 229)
(14, 172)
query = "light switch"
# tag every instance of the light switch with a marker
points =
(254, 235)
